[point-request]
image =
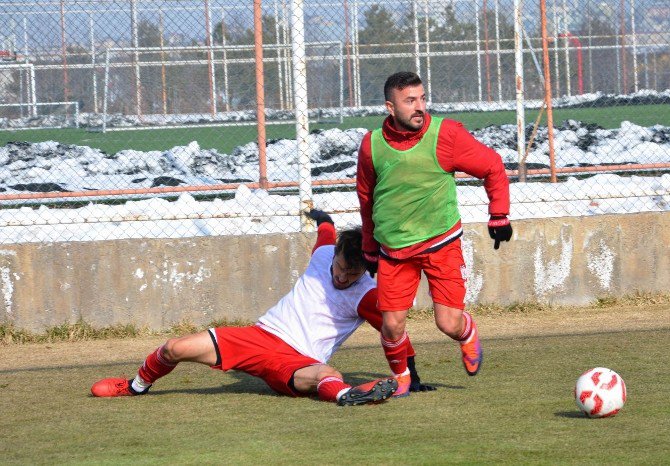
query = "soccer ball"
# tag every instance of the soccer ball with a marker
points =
(600, 392)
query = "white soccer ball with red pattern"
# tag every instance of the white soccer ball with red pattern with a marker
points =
(600, 392)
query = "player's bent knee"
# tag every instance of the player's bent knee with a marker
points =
(393, 331)
(171, 350)
(449, 323)
(327, 371)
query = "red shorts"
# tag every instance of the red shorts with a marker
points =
(398, 280)
(261, 354)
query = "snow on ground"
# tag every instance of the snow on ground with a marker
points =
(51, 166)
(261, 213)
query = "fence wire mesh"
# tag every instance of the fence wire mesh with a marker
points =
(139, 118)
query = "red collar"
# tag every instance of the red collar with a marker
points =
(402, 140)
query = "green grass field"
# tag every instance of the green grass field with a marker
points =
(225, 139)
(518, 410)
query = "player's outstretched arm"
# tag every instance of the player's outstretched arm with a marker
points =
(326, 234)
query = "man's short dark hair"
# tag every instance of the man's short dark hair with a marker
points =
(400, 81)
(349, 243)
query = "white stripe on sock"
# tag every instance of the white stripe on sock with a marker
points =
(392, 343)
(139, 385)
(328, 379)
(342, 392)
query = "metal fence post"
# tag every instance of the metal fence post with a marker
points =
(301, 112)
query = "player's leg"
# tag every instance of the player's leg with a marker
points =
(198, 347)
(327, 382)
(291, 373)
(397, 282)
(460, 326)
(445, 271)
(449, 320)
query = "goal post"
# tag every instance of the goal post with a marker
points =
(124, 58)
(31, 94)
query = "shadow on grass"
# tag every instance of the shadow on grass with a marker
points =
(248, 384)
(244, 383)
(570, 414)
(357, 378)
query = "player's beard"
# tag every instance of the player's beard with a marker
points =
(408, 124)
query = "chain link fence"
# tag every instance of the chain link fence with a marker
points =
(139, 118)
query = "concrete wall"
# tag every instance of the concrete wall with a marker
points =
(157, 283)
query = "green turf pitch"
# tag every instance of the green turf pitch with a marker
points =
(225, 139)
(519, 410)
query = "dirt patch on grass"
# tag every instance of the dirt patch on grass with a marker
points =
(77, 353)
(539, 321)
(523, 321)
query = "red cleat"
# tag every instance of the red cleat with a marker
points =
(472, 352)
(114, 386)
(371, 392)
(404, 382)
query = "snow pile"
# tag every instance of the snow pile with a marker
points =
(51, 166)
(258, 212)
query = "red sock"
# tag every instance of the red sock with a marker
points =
(467, 327)
(330, 387)
(396, 353)
(155, 366)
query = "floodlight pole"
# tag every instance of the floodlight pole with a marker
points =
(417, 51)
(93, 63)
(357, 59)
(260, 94)
(136, 57)
(518, 71)
(226, 91)
(163, 71)
(634, 37)
(487, 57)
(211, 76)
(429, 85)
(280, 66)
(301, 110)
(479, 58)
(66, 80)
(498, 61)
(347, 42)
(547, 90)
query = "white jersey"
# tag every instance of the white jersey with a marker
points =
(315, 317)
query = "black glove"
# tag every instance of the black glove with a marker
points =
(499, 229)
(319, 216)
(415, 384)
(371, 263)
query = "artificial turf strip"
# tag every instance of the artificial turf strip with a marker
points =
(225, 139)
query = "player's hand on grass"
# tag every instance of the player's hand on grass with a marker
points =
(319, 216)
(499, 229)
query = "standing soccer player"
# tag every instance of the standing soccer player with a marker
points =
(410, 217)
(291, 343)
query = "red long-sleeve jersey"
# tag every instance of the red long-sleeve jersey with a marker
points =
(367, 308)
(457, 150)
